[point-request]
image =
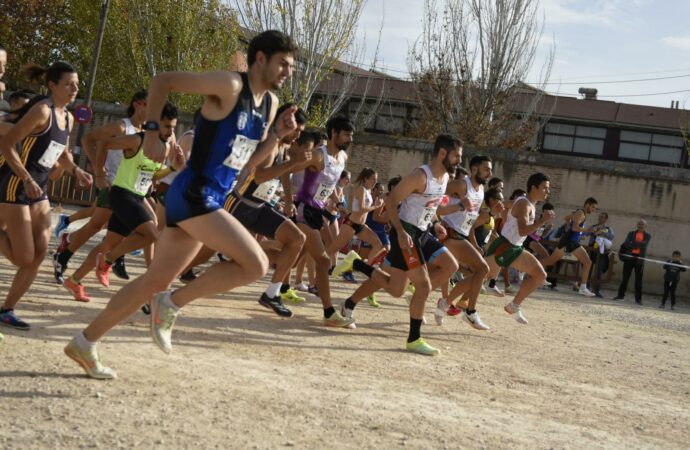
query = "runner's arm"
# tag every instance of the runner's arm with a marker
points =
(34, 121)
(128, 143)
(520, 211)
(414, 182)
(577, 219)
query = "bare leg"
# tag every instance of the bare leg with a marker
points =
(98, 220)
(528, 264)
(142, 236)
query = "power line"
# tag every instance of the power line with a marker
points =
(626, 95)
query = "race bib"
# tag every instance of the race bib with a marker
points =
(51, 155)
(323, 192)
(266, 191)
(426, 217)
(143, 182)
(242, 150)
(470, 218)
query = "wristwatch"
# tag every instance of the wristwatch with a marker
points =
(151, 125)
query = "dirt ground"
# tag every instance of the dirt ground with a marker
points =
(583, 374)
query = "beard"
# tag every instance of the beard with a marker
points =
(450, 168)
(479, 180)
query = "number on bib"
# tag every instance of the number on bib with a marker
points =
(143, 182)
(470, 218)
(51, 154)
(242, 149)
(266, 191)
(323, 192)
(426, 217)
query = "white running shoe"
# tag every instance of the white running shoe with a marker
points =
(348, 314)
(440, 312)
(513, 309)
(474, 320)
(162, 321)
(586, 292)
(304, 287)
(89, 360)
(546, 283)
(495, 291)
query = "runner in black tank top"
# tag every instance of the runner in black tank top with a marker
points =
(30, 150)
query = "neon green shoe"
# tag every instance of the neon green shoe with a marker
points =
(162, 321)
(411, 289)
(346, 264)
(337, 320)
(89, 361)
(291, 296)
(373, 302)
(420, 346)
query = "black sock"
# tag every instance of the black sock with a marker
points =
(415, 329)
(492, 283)
(64, 257)
(284, 288)
(328, 312)
(330, 271)
(361, 266)
(349, 304)
(4, 310)
(469, 312)
(120, 260)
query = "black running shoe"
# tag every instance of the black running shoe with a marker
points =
(275, 304)
(59, 269)
(146, 309)
(188, 276)
(119, 268)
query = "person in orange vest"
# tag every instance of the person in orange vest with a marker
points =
(635, 247)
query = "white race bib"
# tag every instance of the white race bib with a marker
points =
(51, 155)
(470, 218)
(143, 182)
(242, 150)
(267, 190)
(323, 192)
(426, 217)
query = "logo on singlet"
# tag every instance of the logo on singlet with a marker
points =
(242, 120)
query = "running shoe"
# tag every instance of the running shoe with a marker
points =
(495, 291)
(137, 252)
(303, 287)
(119, 268)
(349, 277)
(440, 312)
(146, 309)
(77, 290)
(373, 302)
(336, 320)
(346, 264)
(411, 289)
(63, 223)
(474, 320)
(9, 319)
(509, 290)
(546, 283)
(275, 304)
(291, 296)
(348, 314)
(89, 361)
(64, 243)
(162, 321)
(453, 310)
(512, 308)
(188, 276)
(59, 269)
(420, 346)
(586, 292)
(103, 270)
(313, 290)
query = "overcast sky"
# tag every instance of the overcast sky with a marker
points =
(606, 40)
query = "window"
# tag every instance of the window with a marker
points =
(561, 137)
(660, 148)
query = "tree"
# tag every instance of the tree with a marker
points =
(324, 31)
(469, 67)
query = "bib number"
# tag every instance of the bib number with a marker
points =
(470, 218)
(51, 155)
(143, 182)
(266, 191)
(323, 192)
(426, 218)
(242, 149)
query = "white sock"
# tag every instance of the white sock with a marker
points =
(82, 342)
(443, 304)
(273, 289)
(167, 301)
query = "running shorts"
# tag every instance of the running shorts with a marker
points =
(263, 220)
(425, 249)
(189, 197)
(128, 211)
(504, 251)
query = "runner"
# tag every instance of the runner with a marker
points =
(30, 150)
(131, 225)
(415, 253)
(466, 198)
(70, 243)
(570, 243)
(507, 250)
(320, 179)
(335, 208)
(236, 118)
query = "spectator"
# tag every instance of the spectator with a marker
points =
(671, 278)
(600, 240)
(635, 247)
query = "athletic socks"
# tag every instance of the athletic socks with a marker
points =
(361, 266)
(349, 304)
(273, 289)
(328, 312)
(64, 257)
(469, 312)
(4, 310)
(415, 329)
(167, 301)
(330, 271)
(284, 288)
(492, 283)
(82, 342)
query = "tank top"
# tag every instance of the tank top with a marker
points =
(248, 189)
(419, 208)
(168, 179)
(318, 186)
(222, 147)
(571, 235)
(510, 229)
(462, 221)
(135, 173)
(39, 152)
(112, 160)
(368, 201)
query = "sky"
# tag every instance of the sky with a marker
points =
(604, 44)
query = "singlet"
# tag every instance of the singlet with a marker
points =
(112, 160)
(573, 235)
(419, 208)
(368, 201)
(135, 173)
(248, 189)
(510, 229)
(222, 147)
(168, 179)
(462, 221)
(39, 152)
(318, 186)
